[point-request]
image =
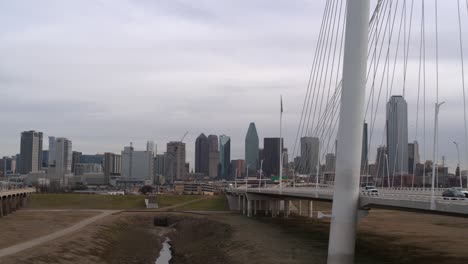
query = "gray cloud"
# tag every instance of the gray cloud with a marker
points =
(105, 73)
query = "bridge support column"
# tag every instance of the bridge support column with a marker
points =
(1, 207)
(239, 204)
(255, 206)
(346, 189)
(311, 207)
(286, 208)
(300, 207)
(5, 206)
(11, 204)
(249, 208)
(244, 199)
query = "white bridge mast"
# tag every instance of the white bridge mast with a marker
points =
(346, 190)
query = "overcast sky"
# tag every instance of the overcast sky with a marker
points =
(106, 73)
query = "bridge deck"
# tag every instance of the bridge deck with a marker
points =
(408, 200)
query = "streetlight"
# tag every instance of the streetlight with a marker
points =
(388, 172)
(458, 165)
(434, 153)
(235, 179)
(261, 172)
(247, 176)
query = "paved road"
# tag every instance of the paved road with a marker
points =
(35, 242)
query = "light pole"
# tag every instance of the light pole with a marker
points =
(247, 177)
(261, 172)
(235, 180)
(458, 165)
(388, 171)
(434, 153)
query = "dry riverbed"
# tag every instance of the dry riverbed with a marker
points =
(224, 237)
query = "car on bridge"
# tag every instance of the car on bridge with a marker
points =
(453, 193)
(370, 190)
(465, 192)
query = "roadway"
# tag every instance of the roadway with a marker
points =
(405, 199)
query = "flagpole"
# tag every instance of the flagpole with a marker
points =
(281, 148)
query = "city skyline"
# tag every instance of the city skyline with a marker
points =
(45, 98)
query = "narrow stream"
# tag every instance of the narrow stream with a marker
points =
(165, 254)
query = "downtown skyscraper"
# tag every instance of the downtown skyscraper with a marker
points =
(213, 156)
(202, 154)
(271, 149)
(397, 135)
(30, 152)
(175, 161)
(224, 156)
(252, 148)
(309, 155)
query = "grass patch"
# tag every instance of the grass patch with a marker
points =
(95, 201)
(169, 200)
(215, 203)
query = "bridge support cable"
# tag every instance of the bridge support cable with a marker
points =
(301, 127)
(434, 177)
(463, 88)
(346, 192)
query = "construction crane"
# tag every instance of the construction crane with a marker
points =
(183, 137)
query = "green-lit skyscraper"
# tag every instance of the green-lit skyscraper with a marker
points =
(224, 156)
(251, 149)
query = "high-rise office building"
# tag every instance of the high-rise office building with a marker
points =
(252, 149)
(31, 152)
(8, 165)
(63, 157)
(364, 153)
(126, 160)
(52, 151)
(309, 155)
(381, 162)
(271, 150)
(285, 158)
(112, 166)
(137, 165)
(330, 162)
(45, 159)
(142, 165)
(175, 161)
(160, 161)
(202, 149)
(76, 158)
(90, 158)
(224, 156)
(413, 156)
(151, 146)
(397, 135)
(237, 168)
(213, 156)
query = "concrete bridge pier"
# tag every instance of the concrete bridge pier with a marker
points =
(249, 208)
(300, 207)
(311, 207)
(245, 204)
(286, 208)
(255, 207)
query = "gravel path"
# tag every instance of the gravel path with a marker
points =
(34, 242)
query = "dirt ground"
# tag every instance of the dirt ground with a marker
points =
(25, 225)
(122, 238)
(226, 237)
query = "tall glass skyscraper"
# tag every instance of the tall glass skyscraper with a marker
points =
(251, 148)
(224, 156)
(397, 135)
(31, 152)
(201, 154)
